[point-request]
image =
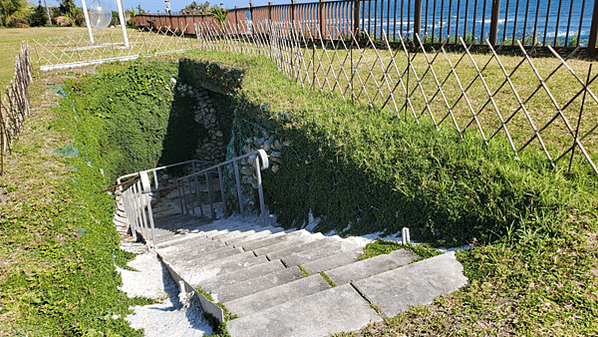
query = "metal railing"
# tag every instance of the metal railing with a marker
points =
(145, 187)
(192, 200)
(136, 198)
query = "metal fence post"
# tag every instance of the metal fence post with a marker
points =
(417, 19)
(494, 22)
(593, 30)
(356, 22)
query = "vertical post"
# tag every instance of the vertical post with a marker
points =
(593, 30)
(494, 22)
(321, 17)
(356, 22)
(293, 12)
(252, 18)
(87, 22)
(236, 16)
(270, 12)
(417, 19)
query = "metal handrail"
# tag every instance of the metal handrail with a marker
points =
(137, 201)
(184, 202)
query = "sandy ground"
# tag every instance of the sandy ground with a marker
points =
(169, 317)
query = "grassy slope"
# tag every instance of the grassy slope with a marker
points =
(538, 277)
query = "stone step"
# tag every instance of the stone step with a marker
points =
(415, 284)
(190, 252)
(268, 298)
(314, 254)
(241, 275)
(239, 242)
(372, 266)
(260, 233)
(318, 315)
(200, 246)
(331, 262)
(233, 234)
(301, 247)
(259, 243)
(293, 241)
(257, 284)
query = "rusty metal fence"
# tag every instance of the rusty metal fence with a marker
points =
(544, 104)
(14, 103)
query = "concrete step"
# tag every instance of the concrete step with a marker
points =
(239, 242)
(268, 298)
(191, 253)
(303, 247)
(331, 262)
(259, 233)
(372, 266)
(293, 241)
(262, 242)
(257, 284)
(194, 274)
(415, 284)
(318, 315)
(314, 254)
(233, 234)
(241, 275)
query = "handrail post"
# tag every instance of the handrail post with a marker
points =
(259, 186)
(593, 31)
(356, 21)
(417, 19)
(494, 22)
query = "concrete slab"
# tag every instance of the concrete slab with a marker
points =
(233, 234)
(258, 243)
(200, 245)
(241, 275)
(278, 254)
(331, 262)
(268, 298)
(194, 274)
(238, 243)
(318, 315)
(313, 254)
(254, 285)
(292, 241)
(415, 284)
(247, 237)
(372, 266)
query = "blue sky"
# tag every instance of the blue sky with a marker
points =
(154, 5)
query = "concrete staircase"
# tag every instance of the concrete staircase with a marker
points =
(296, 283)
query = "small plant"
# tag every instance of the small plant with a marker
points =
(219, 14)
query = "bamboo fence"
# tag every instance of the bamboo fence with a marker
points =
(14, 104)
(541, 103)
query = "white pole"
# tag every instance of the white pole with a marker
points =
(123, 23)
(48, 11)
(87, 23)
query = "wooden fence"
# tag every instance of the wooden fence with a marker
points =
(557, 23)
(15, 104)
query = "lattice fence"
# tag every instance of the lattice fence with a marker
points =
(545, 103)
(14, 103)
(74, 51)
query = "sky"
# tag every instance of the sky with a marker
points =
(153, 6)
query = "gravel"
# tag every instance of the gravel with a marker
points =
(169, 317)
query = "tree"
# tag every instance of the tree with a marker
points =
(194, 8)
(68, 8)
(39, 17)
(140, 10)
(14, 8)
(219, 14)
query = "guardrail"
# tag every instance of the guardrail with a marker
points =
(136, 198)
(190, 201)
(144, 187)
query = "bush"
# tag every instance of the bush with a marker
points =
(64, 21)
(17, 22)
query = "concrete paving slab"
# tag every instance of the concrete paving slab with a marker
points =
(239, 243)
(200, 245)
(415, 284)
(254, 285)
(241, 275)
(292, 241)
(251, 236)
(268, 298)
(313, 254)
(278, 254)
(372, 266)
(262, 242)
(318, 315)
(331, 262)
(233, 234)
